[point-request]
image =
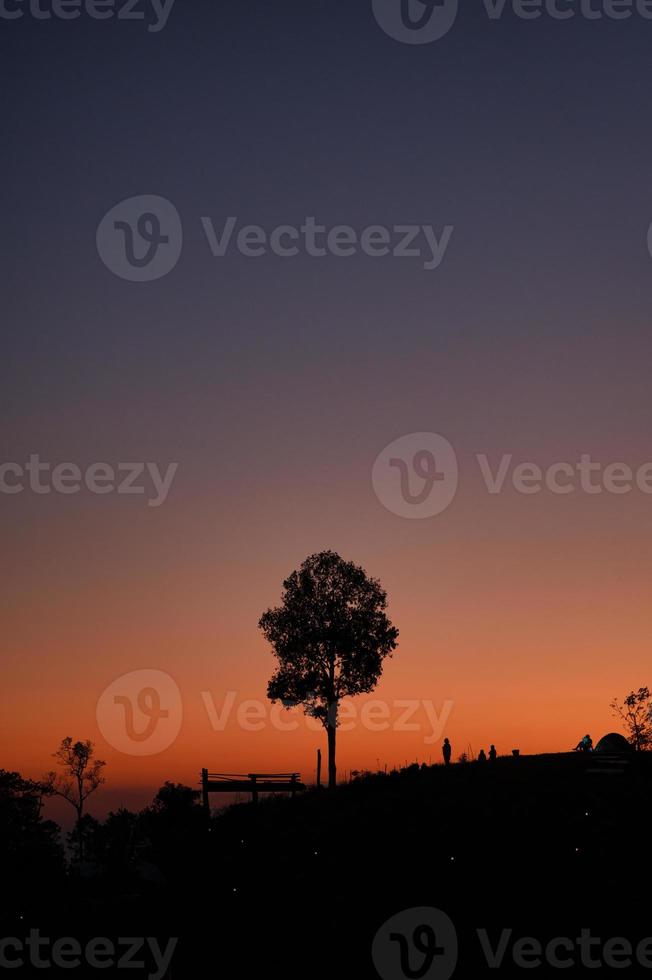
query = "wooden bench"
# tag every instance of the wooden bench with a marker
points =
(252, 782)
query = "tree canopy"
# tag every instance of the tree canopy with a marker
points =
(330, 636)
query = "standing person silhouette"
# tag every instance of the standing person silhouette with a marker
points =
(492, 753)
(446, 752)
(482, 757)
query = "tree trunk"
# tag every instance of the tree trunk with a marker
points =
(80, 813)
(80, 834)
(331, 730)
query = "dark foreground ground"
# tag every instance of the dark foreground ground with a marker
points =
(543, 846)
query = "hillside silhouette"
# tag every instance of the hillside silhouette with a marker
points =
(545, 845)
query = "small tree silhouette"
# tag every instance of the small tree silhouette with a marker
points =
(636, 714)
(330, 636)
(82, 775)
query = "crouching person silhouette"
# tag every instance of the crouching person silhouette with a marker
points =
(584, 745)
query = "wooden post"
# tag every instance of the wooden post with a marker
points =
(318, 768)
(204, 791)
(254, 790)
(293, 782)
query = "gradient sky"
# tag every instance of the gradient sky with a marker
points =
(275, 383)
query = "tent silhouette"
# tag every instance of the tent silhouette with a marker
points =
(614, 744)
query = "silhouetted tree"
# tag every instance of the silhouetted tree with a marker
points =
(330, 636)
(174, 825)
(89, 831)
(120, 838)
(175, 799)
(111, 845)
(82, 775)
(31, 856)
(636, 714)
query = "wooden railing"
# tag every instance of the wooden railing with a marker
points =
(251, 782)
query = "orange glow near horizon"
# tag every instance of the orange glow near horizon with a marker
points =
(528, 615)
(180, 297)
